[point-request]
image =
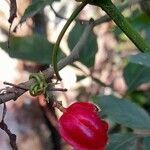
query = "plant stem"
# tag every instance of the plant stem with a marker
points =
(123, 24)
(55, 50)
(58, 104)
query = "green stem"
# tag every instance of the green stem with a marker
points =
(121, 22)
(55, 50)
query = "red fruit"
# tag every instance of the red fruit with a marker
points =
(81, 126)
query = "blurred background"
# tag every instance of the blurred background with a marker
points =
(33, 122)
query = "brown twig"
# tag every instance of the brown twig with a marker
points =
(58, 89)
(16, 86)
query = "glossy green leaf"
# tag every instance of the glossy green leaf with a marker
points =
(87, 55)
(141, 59)
(122, 142)
(35, 8)
(146, 143)
(34, 48)
(135, 75)
(124, 112)
(141, 22)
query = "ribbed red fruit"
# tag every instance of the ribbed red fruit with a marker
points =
(81, 126)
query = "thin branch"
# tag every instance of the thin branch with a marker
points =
(58, 89)
(57, 14)
(65, 18)
(79, 46)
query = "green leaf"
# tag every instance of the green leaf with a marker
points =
(34, 48)
(141, 59)
(141, 22)
(87, 55)
(139, 97)
(124, 112)
(135, 75)
(122, 142)
(146, 143)
(35, 8)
